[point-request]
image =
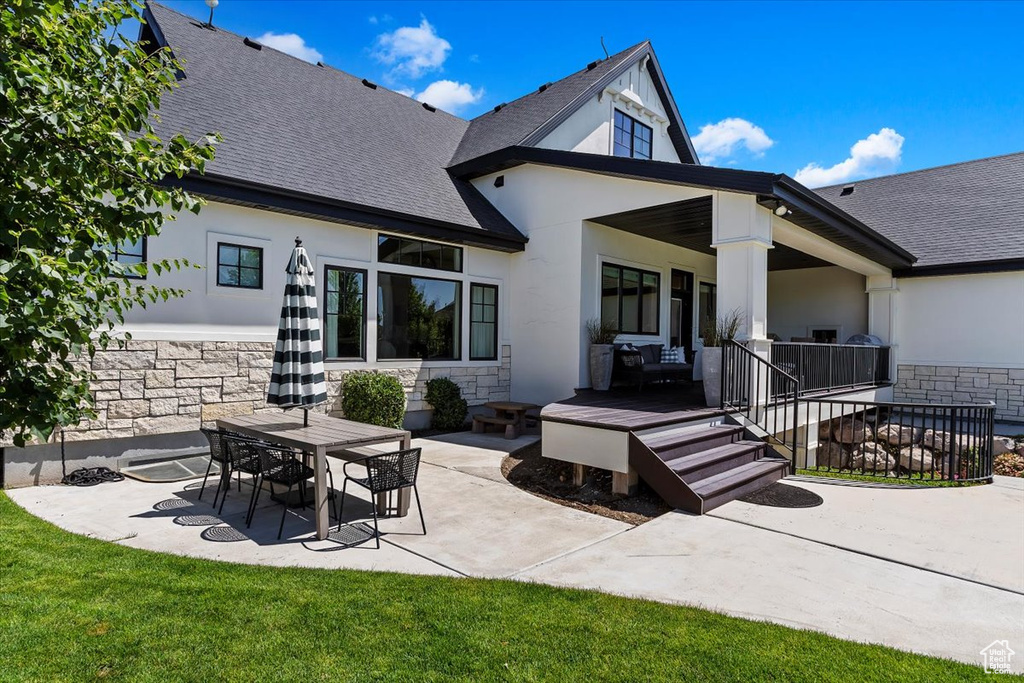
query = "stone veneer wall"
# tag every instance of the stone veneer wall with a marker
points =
(163, 387)
(943, 384)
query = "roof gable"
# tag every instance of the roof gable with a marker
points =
(525, 122)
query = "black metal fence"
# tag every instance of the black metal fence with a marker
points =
(912, 441)
(824, 367)
(763, 395)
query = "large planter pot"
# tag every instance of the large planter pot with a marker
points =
(601, 357)
(711, 368)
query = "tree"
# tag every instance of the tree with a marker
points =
(81, 174)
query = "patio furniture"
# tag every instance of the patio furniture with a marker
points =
(243, 457)
(322, 435)
(280, 466)
(219, 452)
(642, 364)
(385, 473)
(510, 414)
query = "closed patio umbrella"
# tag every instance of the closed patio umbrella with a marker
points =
(297, 379)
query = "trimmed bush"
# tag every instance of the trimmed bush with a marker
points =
(1009, 465)
(449, 407)
(373, 398)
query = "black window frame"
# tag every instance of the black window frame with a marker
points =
(459, 254)
(239, 265)
(116, 252)
(365, 321)
(456, 338)
(494, 323)
(640, 299)
(635, 126)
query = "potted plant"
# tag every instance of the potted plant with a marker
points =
(716, 332)
(602, 353)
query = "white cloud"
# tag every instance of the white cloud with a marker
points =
(412, 50)
(374, 19)
(450, 95)
(718, 140)
(877, 153)
(292, 44)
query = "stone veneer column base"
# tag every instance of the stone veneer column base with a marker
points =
(965, 384)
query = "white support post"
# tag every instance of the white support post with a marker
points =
(882, 300)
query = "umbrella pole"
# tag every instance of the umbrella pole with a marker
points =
(305, 417)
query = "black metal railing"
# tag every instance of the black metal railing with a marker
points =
(763, 395)
(910, 441)
(826, 367)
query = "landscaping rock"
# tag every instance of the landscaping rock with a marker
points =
(1002, 444)
(871, 457)
(917, 459)
(943, 442)
(895, 434)
(834, 456)
(851, 430)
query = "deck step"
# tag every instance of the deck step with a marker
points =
(704, 464)
(672, 446)
(732, 484)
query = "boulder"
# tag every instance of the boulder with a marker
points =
(917, 460)
(943, 441)
(896, 434)
(833, 456)
(1002, 444)
(851, 430)
(870, 457)
(825, 428)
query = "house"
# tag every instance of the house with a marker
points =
(478, 249)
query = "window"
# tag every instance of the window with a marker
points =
(409, 252)
(130, 254)
(707, 305)
(344, 313)
(632, 138)
(418, 318)
(483, 322)
(239, 266)
(629, 299)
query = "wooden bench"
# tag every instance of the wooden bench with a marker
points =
(511, 424)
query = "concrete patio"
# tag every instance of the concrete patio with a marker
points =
(933, 571)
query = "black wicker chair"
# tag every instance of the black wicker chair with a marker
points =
(220, 453)
(385, 473)
(243, 457)
(280, 466)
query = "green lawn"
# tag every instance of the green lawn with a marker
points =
(73, 608)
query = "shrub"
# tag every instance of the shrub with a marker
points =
(599, 332)
(1009, 465)
(373, 398)
(449, 407)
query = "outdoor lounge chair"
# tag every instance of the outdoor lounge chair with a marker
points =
(280, 466)
(385, 473)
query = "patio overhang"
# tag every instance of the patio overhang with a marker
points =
(806, 209)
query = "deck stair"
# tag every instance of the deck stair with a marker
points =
(701, 467)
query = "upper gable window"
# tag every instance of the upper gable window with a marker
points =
(632, 138)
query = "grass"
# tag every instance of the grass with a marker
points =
(889, 481)
(73, 608)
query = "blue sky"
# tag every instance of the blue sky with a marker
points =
(824, 91)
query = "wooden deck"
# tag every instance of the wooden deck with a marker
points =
(627, 409)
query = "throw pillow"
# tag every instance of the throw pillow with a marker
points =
(670, 355)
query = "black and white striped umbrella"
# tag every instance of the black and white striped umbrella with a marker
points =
(297, 380)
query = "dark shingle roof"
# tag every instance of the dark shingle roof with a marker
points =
(970, 212)
(516, 121)
(315, 130)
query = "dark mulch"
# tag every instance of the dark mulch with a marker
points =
(552, 480)
(780, 495)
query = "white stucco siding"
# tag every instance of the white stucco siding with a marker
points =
(962, 320)
(589, 129)
(806, 298)
(209, 312)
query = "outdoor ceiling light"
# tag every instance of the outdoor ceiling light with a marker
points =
(780, 210)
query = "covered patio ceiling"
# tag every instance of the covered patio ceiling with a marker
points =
(687, 224)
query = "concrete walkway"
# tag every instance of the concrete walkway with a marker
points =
(933, 571)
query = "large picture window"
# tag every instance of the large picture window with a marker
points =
(344, 313)
(418, 318)
(632, 138)
(410, 252)
(483, 322)
(239, 266)
(629, 299)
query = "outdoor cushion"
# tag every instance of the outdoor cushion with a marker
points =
(670, 355)
(651, 353)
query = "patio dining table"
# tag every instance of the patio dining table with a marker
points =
(321, 436)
